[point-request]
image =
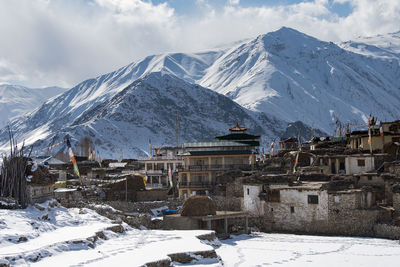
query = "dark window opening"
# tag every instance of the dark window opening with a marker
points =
(312, 199)
(291, 209)
(248, 191)
(395, 139)
(274, 195)
(342, 166)
(361, 162)
(333, 168)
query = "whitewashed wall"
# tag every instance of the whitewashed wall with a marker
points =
(353, 168)
(251, 201)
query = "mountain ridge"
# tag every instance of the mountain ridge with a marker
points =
(277, 78)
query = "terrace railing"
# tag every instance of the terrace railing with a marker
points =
(211, 167)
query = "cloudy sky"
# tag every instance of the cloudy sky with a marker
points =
(63, 42)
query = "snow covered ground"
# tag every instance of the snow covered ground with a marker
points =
(301, 250)
(55, 236)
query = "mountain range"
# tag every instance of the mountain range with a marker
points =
(266, 84)
(16, 100)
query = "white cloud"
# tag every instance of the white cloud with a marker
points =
(61, 42)
(234, 2)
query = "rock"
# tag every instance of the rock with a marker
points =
(208, 237)
(181, 257)
(34, 258)
(101, 235)
(78, 242)
(91, 245)
(160, 263)
(41, 208)
(92, 239)
(46, 217)
(22, 239)
(187, 257)
(81, 211)
(4, 263)
(211, 254)
(117, 229)
(53, 203)
(156, 224)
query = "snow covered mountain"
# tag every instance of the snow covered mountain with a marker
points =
(285, 74)
(277, 78)
(382, 45)
(297, 77)
(16, 100)
(145, 109)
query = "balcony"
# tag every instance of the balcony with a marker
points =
(156, 186)
(156, 172)
(215, 167)
(195, 185)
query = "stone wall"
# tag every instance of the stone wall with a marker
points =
(335, 214)
(228, 203)
(144, 207)
(235, 189)
(395, 169)
(396, 203)
(152, 195)
(177, 222)
(387, 231)
(39, 193)
(294, 213)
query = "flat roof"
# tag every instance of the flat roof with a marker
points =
(213, 144)
(306, 186)
(223, 152)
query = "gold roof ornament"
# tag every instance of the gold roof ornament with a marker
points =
(237, 129)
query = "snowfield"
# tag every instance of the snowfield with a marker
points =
(51, 235)
(263, 249)
(56, 236)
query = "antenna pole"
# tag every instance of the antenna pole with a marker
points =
(177, 126)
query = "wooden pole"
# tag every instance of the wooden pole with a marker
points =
(126, 189)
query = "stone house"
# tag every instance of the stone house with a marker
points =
(312, 207)
(341, 164)
(288, 144)
(391, 134)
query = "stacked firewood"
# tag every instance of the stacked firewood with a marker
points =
(13, 178)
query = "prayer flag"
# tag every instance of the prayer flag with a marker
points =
(73, 160)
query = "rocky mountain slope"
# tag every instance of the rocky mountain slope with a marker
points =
(16, 100)
(142, 111)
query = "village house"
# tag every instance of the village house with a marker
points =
(345, 164)
(40, 186)
(288, 144)
(158, 166)
(203, 161)
(381, 137)
(312, 207)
